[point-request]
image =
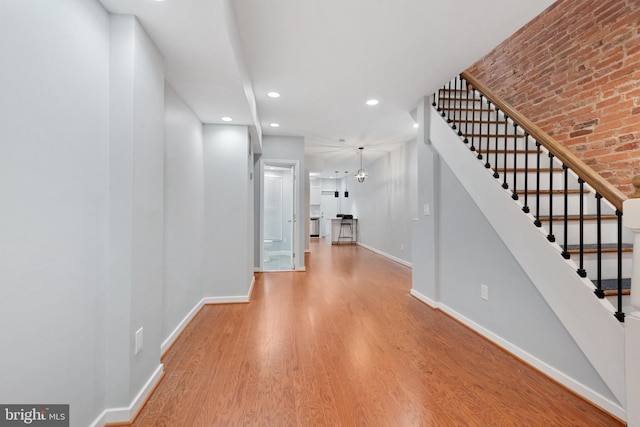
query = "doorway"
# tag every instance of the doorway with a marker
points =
(279, 231)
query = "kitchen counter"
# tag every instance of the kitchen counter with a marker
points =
(342, 231)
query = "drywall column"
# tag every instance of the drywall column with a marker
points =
(228, 262)
(425, 228)
(136, 230)
(183, 213)
(54, 141)
(631, 218)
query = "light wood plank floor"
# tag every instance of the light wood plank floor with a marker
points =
(344, 344)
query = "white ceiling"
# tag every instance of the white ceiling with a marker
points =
(326, 58)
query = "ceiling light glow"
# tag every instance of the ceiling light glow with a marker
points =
(273, 95)
(416, 126)
(372, 102)
(275, 125)
(226, 119)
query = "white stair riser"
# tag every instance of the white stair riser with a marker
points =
(609, 265)
(608, 234)
(487, 128)
(558, 183)
(626, 302)
(558, 203)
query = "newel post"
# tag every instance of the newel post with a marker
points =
(631, 220)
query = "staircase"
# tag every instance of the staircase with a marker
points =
(580, 214)
(561, 221)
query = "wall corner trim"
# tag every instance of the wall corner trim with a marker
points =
(431, 303)
(250, 293)
(117, 416)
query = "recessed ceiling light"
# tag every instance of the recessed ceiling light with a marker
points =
(415, 125)
(273, 95)
(226, 119)
(372, 102)
(275, 125)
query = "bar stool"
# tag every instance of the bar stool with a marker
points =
(346, 230)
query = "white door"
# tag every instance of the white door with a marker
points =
(279, 216)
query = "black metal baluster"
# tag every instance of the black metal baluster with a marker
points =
(550, 236)
(599, 292)
(514, 194)
(525, 207)
(449, 103)
(441, 100)
(455, 102)
(537, 222)
(565, 252)
(473, 117)
(505, 185)
(496, 175)
(487, 164)
(466, 114)
(434, 104)
(619, 314)
(479, 156)
(473, 135)
(581, 271)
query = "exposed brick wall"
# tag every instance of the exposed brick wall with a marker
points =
(575, 72)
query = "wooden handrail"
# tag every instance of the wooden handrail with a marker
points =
(591, 177)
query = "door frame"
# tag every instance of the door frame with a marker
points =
(295, 235)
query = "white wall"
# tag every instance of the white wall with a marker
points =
(385, 202)
(227, 258)
(183, 212)
(54, 139)
(136, 208)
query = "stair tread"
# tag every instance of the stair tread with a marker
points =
(614, 292)
(571, 191)
(484, 122)
(591, 248)
(610, 286)
(530, 170)
(590, 217)
(492, 135)
(518, 151)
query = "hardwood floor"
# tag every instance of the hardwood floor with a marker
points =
(344, 344)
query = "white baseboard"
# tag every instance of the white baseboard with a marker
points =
(594, 397)
(207, 300)
(178, 330)
(127, 414)
(386, 255)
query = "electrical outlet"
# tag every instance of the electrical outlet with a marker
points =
(426, 210)
(138, 341)
(402, 246)
(484, 292)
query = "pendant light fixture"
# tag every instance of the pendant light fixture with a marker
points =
(337, 193)
(346, 178)
(361, 174)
